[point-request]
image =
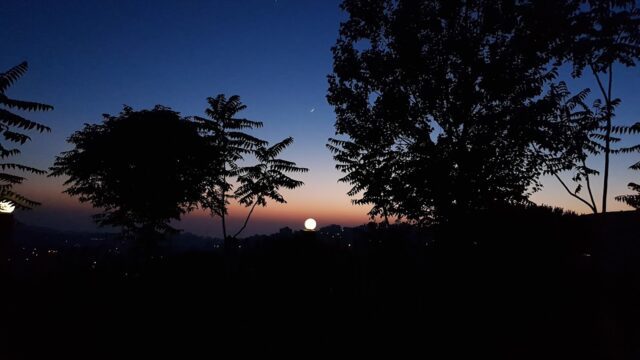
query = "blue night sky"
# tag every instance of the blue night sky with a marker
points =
(90, 57)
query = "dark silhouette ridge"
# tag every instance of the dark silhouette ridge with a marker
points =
(520, 283)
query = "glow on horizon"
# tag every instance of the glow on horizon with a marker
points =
(277, 60)
(327, 202)
(310, 224)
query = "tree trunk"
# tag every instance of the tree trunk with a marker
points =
(223, 211)
(607, 146)
(224, 228)
(593, 202)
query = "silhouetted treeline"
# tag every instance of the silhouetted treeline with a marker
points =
(144, 168)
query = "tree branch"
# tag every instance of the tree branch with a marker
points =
(246, 220)
(575, 195)
(593, 202)
(604, 93)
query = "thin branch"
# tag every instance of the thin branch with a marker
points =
(573, 194)
(604, 93)
(246, 220)
(610, 82)
(593, 202)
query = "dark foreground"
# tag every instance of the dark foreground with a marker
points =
(518, 285)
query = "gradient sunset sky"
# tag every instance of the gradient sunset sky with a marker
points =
(90, 57)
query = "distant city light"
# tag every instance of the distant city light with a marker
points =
(7, 207)
(310, 224)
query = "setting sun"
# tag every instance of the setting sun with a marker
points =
(310, 224)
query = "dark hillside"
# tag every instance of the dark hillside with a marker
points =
(524, 284)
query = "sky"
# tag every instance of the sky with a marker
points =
(87, 58)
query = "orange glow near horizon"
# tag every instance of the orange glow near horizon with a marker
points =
(319, 199)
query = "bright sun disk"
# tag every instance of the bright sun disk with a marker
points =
(310, 224)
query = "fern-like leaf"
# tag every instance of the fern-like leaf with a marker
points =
(8, 78)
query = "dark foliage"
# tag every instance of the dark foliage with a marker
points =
(632, 200)
(12, 127)
(142, 168)
(574, 125)
(263, 181)
(442, 103)
(599, 34)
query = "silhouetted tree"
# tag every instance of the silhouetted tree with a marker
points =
(142, 168)
(225, 132)
(264, 180)
(603, 33)
(573, 124)
(444, 100)
(595, 144)
(11, 127)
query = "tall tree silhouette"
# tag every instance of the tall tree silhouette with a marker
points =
(264, 180)
(604, 33)
(448, 96)
(11, 129)
(142, 168)
(225, 132)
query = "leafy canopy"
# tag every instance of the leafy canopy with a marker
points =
(142, 168)
(441, 105)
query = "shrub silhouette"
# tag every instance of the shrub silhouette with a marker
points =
(142, 168)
